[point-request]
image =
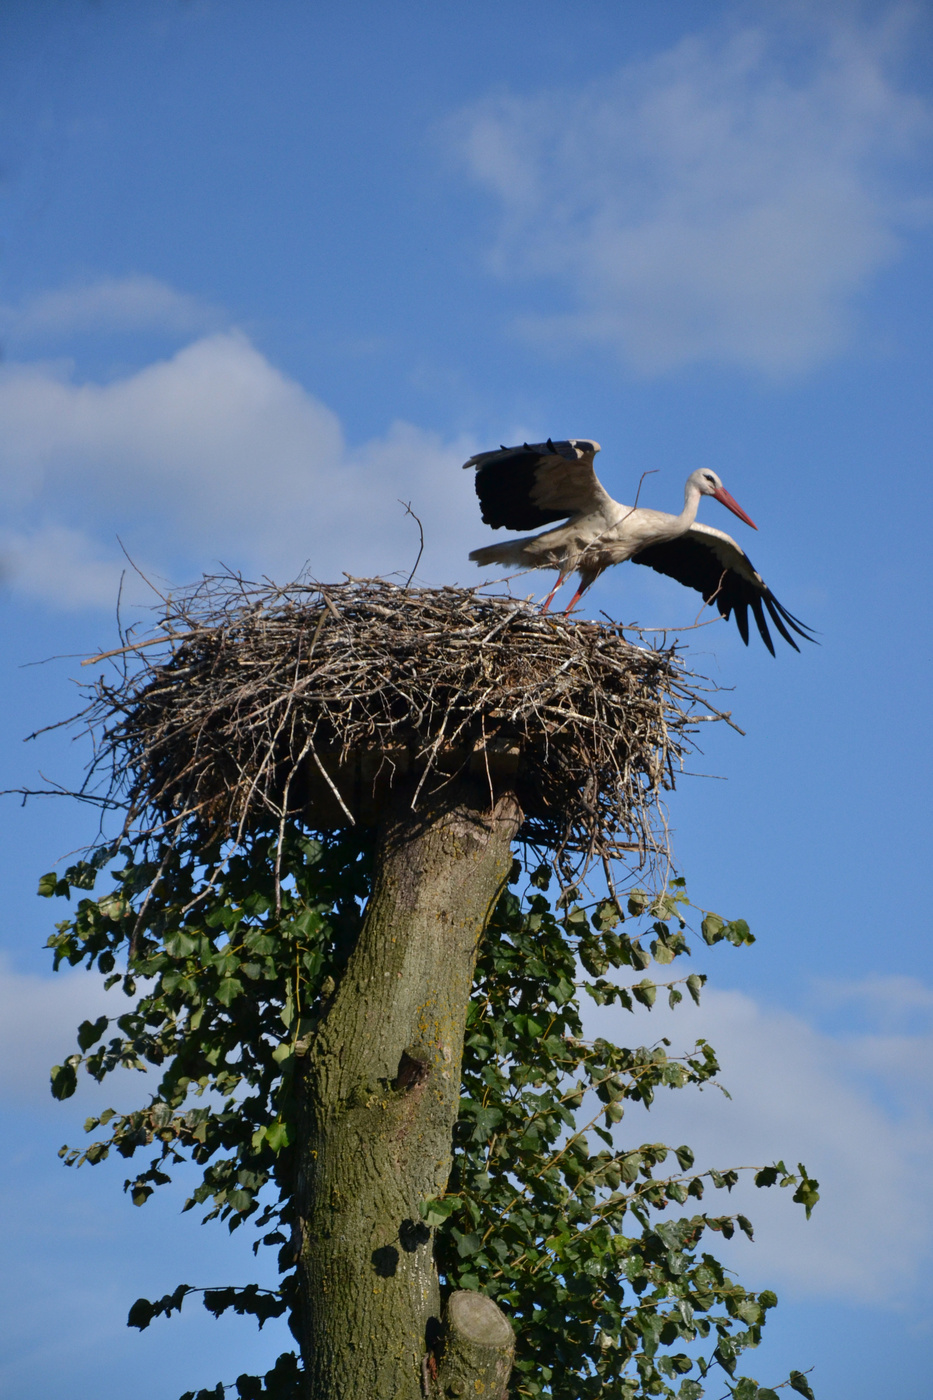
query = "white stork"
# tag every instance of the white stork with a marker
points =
(539, 483)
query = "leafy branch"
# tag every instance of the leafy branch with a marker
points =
(572, 1229)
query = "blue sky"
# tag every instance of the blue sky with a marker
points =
(268, 269)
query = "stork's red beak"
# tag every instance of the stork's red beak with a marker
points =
(721, 494)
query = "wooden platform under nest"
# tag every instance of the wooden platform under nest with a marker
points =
(313, 703)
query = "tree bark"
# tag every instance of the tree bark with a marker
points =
(381, 1089)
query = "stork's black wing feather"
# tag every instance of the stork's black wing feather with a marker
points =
(504, 487)
(712, 563)
(520, 488)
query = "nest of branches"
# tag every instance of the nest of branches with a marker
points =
(257, 705)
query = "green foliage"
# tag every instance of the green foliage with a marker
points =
(262, 1303)
(597, 1245)
(554, 1212)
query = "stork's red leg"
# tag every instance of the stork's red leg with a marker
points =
(550, 597)
(584, 585)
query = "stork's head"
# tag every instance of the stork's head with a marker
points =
(708, 484)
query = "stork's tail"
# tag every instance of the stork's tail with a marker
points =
(511, 553)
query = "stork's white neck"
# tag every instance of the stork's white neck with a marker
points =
(687, 516)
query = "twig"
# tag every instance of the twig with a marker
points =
(416, 519)
(138, 646)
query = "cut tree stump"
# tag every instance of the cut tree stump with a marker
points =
(476, 1350)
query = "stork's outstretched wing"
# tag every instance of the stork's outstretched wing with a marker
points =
(538, 483)
(711, 562)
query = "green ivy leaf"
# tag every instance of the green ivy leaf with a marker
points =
(50, 886)
(64, 1079)
(89, 1032)
(141, 1314)
(435, 1212)
(645, 992)
(712, 928)
(807, 1193)
(228, 989)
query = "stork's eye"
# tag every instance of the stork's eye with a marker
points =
(710, 478)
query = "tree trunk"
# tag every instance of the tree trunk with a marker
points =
(381, 1095)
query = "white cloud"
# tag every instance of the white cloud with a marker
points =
(60, 566)
(856, 1109)
(720, 202)
(137, 302)
(212, 455)
(888, 999)
(39, 1019)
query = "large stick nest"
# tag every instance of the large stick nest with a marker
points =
(312, 702)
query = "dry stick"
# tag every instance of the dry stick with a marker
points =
(409, 511)
(120, 632)
(492, 795)
(429, 763)
(644, 629)
(281, 841)
(270, 748)
(712, 598)
(334, 610)
(137, 926)
(330, 784)
(135, 567)
(138, 646)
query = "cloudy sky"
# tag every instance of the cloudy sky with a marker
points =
(269, 271)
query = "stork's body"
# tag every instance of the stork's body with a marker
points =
(521, 487)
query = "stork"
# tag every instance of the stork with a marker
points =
(540, 483)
